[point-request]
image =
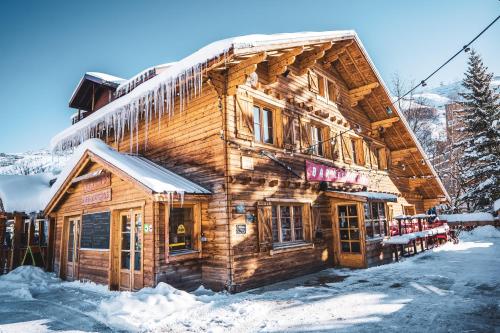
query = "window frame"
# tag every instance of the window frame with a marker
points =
(276, 207)
(261, 121)
(358, 216)
(317, 143)
(381, 221)
(196, 231)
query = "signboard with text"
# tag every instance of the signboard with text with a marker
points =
(316, 172)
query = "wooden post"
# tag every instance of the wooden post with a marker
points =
(414, 247)
(49, 263)
(395, 247)
(399, 224)
(16, 242)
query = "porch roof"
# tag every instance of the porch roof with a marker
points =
(24, 193)
(373, 195)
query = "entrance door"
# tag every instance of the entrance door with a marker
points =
(349, 234)
(131, 250)
(72, 247)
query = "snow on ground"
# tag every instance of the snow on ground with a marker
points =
(454, 288)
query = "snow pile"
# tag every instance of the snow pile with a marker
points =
(480, 233)
(147, 308)
(20, 193)
(178, 83)
(23, 280)
(467, 217)
(496, 205)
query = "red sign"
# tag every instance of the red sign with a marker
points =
(323, 173)
(96, 197)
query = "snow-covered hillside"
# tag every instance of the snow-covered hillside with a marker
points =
(29, 163)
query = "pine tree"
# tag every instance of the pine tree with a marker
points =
(481, 137)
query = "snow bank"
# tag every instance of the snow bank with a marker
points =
(496, 205)
(145, 309)
(480, 233)
(470, 217)
(22, 281)
(20, 193)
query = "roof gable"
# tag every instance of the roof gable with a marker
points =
(152, 178)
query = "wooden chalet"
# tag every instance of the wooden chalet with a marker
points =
(284, 156)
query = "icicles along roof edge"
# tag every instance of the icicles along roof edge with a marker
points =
(182, 80)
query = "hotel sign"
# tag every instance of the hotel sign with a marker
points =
(322, 173)
(97, 183)
(96, 197)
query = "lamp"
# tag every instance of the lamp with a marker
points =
(285, 73)
(388, 110)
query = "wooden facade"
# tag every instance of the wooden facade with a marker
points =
(261, 116)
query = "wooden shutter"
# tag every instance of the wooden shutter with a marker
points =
(288, 132)
(305, 134)
(278, 127)
(316, 214)
(373, 156)
(327, 146)
(264, 226)
(336, 146)
(346, 148)
(307, 223)
(244, 117)
(366, 154)
(313, 82)
(382, 153)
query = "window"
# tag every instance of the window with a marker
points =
(287, 224)
(263, 124)
(316, 141)
(375, 219)
(349, 228)
(181, 230)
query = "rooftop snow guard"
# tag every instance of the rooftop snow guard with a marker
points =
(180, 82)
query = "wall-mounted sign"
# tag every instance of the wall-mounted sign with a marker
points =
(322, 173)
(148, 227)
(96, 197)
(241, 229)
(181, 229)
(247, 163)
(96, 183)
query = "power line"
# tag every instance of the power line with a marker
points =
(465, 48)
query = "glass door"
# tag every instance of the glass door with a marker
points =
(131, 250)
(349, 235)
(72, 249)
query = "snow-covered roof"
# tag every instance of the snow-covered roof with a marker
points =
(469, 217)
(375, 195)
(184, 73)
(155, 177)
(106, 77)
(24, 193)
(496, 205)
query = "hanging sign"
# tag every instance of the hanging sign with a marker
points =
(322, 173)
(181, 229)
(101, 181)
(96, 197)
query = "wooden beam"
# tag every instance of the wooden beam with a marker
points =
(385, 123)
(357, 94)
(238, 74)
(307, 59)
(278, 65)
(398, 155)
(334, 54)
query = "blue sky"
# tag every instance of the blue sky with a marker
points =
(46, 46)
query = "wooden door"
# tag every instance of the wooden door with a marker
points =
(131, 239)
(72, 249)
(349, 235)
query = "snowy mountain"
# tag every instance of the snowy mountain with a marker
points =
(29, 163)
